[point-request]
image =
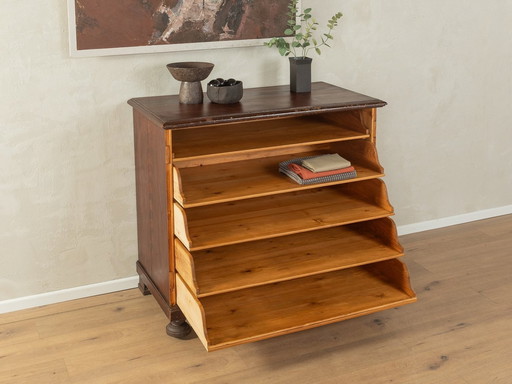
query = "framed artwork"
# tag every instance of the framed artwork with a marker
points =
(116, 27)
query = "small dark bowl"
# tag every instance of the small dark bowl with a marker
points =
(190, 71)
(227, 94)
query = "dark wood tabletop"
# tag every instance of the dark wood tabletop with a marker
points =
(275, 101)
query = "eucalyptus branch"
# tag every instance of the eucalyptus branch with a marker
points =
(303, 28)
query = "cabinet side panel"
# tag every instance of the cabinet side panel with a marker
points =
(369, 120)
(192, 309)
(151, 187)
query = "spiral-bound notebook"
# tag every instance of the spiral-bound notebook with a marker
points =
(283, 168)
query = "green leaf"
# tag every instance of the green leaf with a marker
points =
(301, 25)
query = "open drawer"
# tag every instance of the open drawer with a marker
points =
(275, 309)
(202, 144)
(205, 184)
(277, 215)
(233, 267)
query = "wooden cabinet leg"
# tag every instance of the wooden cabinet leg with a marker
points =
(178, 327)
(143, 288)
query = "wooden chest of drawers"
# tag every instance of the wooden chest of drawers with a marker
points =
(240, 251)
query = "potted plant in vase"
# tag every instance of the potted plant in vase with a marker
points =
(303, 27)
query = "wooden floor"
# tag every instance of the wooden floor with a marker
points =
(459, 331)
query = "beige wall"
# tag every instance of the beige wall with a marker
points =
(445, 68)
(67, 194)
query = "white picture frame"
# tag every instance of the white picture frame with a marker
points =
(75, 52)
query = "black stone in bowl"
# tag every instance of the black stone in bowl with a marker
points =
(225, 92)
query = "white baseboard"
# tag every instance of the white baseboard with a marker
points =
(131, 282)
(68, 294)
(454, 220)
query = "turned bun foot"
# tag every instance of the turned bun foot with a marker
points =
(178, 328)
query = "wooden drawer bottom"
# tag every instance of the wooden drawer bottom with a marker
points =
(234, 267)
(276, 309)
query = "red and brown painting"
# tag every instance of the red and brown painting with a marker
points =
(133, 23)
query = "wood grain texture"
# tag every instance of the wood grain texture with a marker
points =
(261, 177)
(369, 120)
(355, 119)
(229, 268)
(264, 135)
(178, 192)
(192, 309)
(219, 163)
(170, 220)
(458, 332)
(220, 158)
(238, 317)
(185, 266)
(278, 215)
(152, 202)
(362, 153)
(266, 102)
(181, 228)
(146, 279)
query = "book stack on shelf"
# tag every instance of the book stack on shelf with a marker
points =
(318, 169)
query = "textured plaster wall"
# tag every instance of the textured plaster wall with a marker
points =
(67, 193)
(445, 68)
(67, 190)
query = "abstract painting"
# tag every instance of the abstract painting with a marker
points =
(106, 27)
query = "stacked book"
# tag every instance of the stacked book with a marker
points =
(318, 169)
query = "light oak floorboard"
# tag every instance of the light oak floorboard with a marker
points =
(459, 331)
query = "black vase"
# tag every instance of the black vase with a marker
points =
(300, 74)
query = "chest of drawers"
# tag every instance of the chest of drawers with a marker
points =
(239, 251)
